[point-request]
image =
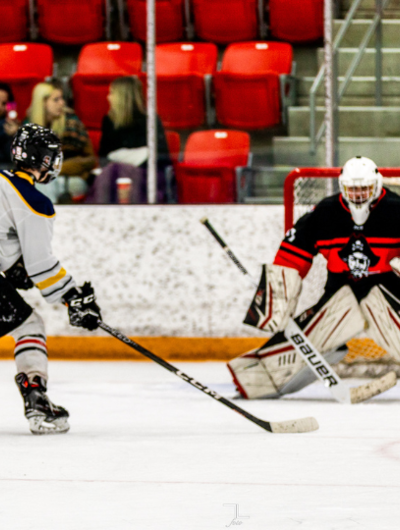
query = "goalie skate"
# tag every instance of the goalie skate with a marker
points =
(44, 417)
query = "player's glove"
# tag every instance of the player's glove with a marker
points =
(82, 308)
(18, 277)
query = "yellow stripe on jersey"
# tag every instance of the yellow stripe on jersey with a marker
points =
(51, 281)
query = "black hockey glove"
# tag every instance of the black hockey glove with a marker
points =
(82, 308)
(18, 277)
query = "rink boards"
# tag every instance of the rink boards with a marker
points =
(159, 275)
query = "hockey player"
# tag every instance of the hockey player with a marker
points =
(358, 233)
(26, 260)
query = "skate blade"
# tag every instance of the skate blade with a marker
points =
(38, 425)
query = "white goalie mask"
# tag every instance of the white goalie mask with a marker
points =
(360, 184)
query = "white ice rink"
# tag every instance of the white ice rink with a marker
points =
(146, 451)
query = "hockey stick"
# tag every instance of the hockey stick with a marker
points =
(313, 358)
(283, 427)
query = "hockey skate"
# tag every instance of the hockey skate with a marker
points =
(44, 417)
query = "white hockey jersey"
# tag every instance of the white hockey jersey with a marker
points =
(26, 229)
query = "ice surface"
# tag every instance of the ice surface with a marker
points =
(147, 451)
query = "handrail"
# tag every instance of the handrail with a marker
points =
(315, 137)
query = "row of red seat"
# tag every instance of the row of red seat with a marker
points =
(219, 21)
(249, 89)
(212, 166)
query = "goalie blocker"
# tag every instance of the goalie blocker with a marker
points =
(276, 369)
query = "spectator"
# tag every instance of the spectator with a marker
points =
(8, 124)
(48, 109)
(124, 142)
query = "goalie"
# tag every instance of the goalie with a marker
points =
(358, 233)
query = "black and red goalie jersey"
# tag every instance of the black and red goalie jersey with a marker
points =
(357, 255)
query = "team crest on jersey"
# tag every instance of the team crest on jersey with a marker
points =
(358, 256)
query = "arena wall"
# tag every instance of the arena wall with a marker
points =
(159, 275)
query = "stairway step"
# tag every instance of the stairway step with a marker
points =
(295, 151)
(358, 28)
(390, 61)
(353, 121)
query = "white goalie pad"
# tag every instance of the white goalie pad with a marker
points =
(381, 310)
(275, 300)
(270, 370)
(395, 264)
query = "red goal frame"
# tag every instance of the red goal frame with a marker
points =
(313, 172)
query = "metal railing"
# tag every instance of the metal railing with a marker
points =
(374, 27)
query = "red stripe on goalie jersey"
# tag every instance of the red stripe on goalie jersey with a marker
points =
(294, 257)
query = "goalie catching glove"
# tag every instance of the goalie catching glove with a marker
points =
(82, 308)
(275, 300)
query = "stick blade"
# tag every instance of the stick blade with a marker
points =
(295, 426)
(374, 388)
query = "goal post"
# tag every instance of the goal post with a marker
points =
(303, 189)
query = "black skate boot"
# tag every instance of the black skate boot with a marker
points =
(44, 417)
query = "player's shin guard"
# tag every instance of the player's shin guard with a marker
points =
(276, 369)
(382, 312)
(30, 347)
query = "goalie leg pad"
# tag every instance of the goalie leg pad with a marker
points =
(270, 371)
(382, 312)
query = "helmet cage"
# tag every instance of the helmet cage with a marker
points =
(360, 184)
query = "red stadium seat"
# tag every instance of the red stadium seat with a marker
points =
(182, 71)
(208, 172)
(16, 13)
(98, 65)
(248, 88)
(169, 16)
(22, 66)
(296, 20)
(224, 21)
(71, 21)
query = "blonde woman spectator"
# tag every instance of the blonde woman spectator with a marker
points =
(124, 144)
(48, 109)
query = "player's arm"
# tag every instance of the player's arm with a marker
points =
(50, 277)
(297, 249)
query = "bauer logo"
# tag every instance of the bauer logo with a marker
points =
(237, 518)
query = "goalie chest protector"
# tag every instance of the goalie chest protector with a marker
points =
(357, 255)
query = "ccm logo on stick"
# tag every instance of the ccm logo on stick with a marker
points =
(198, 385)
(306, 349)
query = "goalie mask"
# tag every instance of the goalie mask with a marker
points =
(35, 147)
(360, 184)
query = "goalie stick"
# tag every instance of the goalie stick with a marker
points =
(283, 427)
(313, 358)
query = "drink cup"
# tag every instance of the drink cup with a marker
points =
(124, 186)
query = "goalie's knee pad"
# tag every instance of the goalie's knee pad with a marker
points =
(276, 369)
(382, 312)
(30, 347)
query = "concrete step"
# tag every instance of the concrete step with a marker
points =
(390, 61)
(295, 151)
(353, 101)
(358, 28)
(368, 7)
(306, 61)
(353, 121)
(360, 86)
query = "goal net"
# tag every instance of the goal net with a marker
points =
(304, 188)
